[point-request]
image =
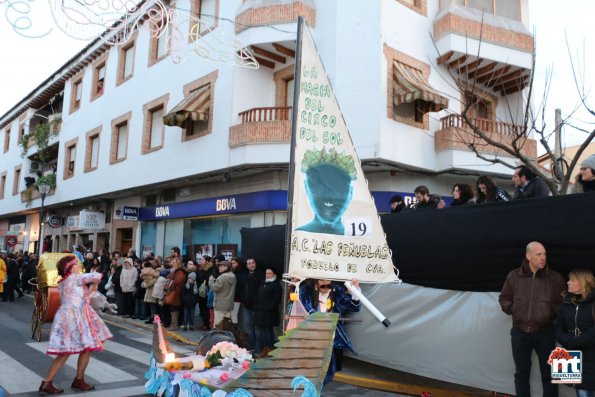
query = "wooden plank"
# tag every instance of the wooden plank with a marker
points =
(301, 343)
(470, 66)
(506, 78)
(481, 71)
(281, 363)
(265, 384)
(299, 353)
(519, 84)
(457, 62)
(444, 57)
(284, 50)
(494, 75)
(266, 63)
(268, 54)
(278, 373)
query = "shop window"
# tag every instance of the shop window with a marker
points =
(2, 184)
(76, 94)
(17, 179)
(6, 140)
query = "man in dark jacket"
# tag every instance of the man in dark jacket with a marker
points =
(528, 185)
(12, 278)
(532, 294)
(250, 286)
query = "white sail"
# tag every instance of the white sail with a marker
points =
(335, 230)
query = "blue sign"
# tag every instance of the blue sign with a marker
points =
(130, 213)
(270, 200)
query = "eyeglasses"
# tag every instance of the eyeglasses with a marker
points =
(325, 286)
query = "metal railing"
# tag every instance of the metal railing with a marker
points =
(266, 114)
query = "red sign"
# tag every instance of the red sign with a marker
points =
(11, 241)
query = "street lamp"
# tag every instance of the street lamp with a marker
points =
(44, 189)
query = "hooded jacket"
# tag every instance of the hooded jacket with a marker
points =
(533, 299)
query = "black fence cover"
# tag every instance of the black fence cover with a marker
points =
(469, 248)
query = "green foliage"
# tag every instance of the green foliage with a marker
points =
(214, 359)
(50, 179)
(42, 135)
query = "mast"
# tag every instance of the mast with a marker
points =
(290, 189)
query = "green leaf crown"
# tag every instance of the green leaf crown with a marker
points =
(345, 162)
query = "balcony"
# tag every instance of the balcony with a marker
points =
(495, 51)
(456, 134)
(262, 125)
(254, 13)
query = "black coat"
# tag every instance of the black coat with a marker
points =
(585, 341)
(12, 271)
(251, 285)
(266, 307)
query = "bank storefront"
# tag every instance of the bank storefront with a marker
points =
(208, 226)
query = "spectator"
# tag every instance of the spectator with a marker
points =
(397, 204)
(249, 291)
(422, 197)
(531, 294)
(586, 177)
(437, 199)
(488, 191)
(528, 185)
(29, 270)
(140, 310)
(462, 194)
(238, 269)
(224, 287)
(173, 297)
(12, 278)
(266, 312)
(88, 262)
(128, 278)
(202, 278)
(132, 254)
(190, 297)
(149, 275)
(575, 328)
(2, 275)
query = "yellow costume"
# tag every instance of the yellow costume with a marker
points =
(2, 275)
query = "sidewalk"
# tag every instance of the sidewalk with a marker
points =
(355, 372)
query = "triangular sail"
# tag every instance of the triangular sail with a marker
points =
(335, 230)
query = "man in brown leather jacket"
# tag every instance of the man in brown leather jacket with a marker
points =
(532, 294)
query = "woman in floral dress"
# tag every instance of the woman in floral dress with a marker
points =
(76, 329)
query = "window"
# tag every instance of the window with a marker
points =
(21, 133)
(158, 47)
(480, 108)
(2, 184)
(119, 143)
(70, 158)
(284, 89)
(98, 80)
(206, 12)
(6, 140)
(17, 178)
(92, 150)
(76, 94)
(126, 62)
(153, 128)
(419, 6)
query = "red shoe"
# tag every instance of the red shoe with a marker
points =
(49, 388)
(81, 385)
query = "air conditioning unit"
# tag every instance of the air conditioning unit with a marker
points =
(34, 167)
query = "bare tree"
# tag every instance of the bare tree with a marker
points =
(506, 143)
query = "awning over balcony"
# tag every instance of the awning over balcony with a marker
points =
(410, 86)
(194, 107)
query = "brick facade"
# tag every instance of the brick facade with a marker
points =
(120, 78)
(210, 78)
(17, 180)
(473, 29)
(419, 6)
(277, 131)
(275, 14)
(281, 77)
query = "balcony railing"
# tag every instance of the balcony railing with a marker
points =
(457, 121)
(265, 114)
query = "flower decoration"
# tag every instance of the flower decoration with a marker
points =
(226, 351)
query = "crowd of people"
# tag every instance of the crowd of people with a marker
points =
(527, 185)
(15, 272)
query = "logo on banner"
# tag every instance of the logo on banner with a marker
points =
(566, 365)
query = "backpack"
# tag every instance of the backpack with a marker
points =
(202, 290)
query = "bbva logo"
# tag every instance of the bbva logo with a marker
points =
(226, 204)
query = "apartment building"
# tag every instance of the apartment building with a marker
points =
(152, 153)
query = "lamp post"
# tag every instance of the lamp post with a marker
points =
(44, 189)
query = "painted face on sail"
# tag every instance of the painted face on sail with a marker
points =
(329, 191)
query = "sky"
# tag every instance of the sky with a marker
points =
(27, 62)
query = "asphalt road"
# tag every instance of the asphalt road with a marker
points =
(116, 372)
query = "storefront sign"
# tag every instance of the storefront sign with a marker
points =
(55, 221)
(91, 220)
(11, 241)
(72, 222)
(271, 200)
(130, 213)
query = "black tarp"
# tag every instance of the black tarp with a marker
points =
(470, 248)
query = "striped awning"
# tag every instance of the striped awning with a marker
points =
(194, 107)
(410, 86)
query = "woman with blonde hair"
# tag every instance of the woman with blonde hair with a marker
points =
(575, 325)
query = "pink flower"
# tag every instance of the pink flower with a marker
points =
(225, 377)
